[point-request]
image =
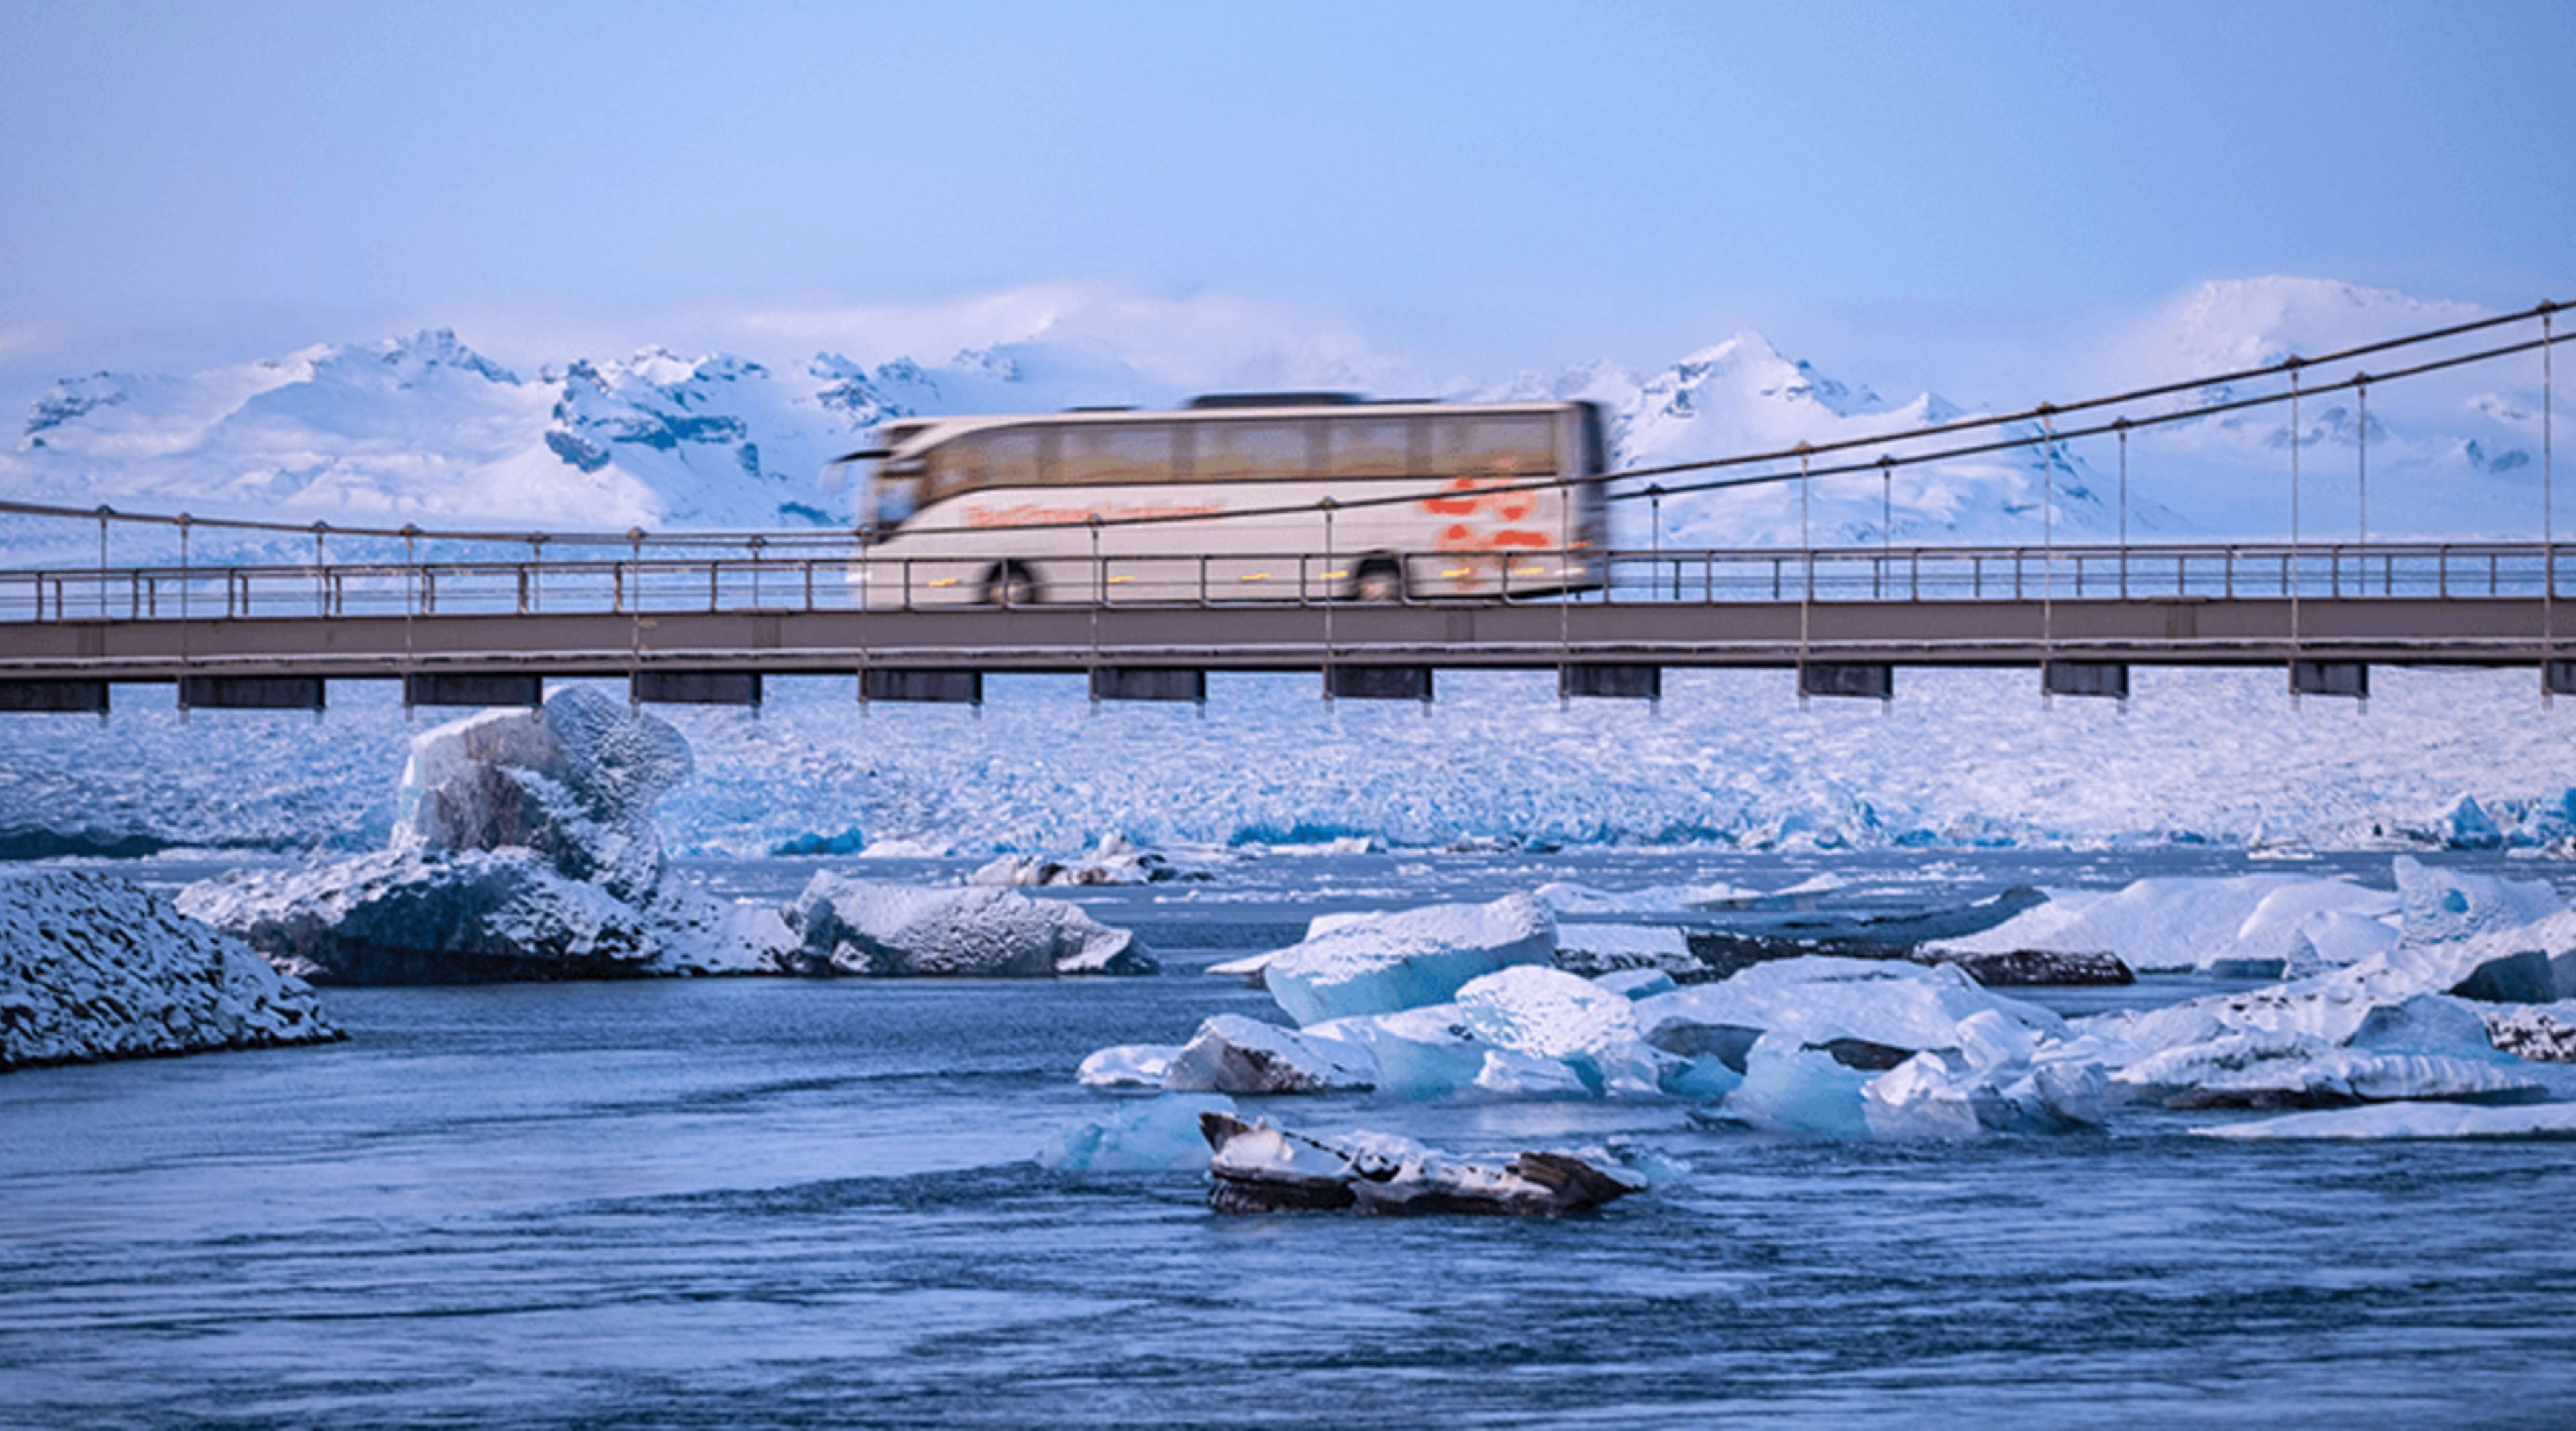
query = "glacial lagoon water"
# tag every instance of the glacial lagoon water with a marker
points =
(773, 1203)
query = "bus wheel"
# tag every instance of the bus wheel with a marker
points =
(1379, 579)
(1011, 584)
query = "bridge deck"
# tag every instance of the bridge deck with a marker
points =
(2477, 604)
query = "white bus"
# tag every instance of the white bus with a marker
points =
(1264, 497)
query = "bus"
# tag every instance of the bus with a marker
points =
(1251, 497)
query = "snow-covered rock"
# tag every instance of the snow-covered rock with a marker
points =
(864, 927)
(1257, 1168)
(1379, 963)
(1234, 1054)
(94, 968)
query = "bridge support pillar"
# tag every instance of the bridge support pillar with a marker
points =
(2330, 678)
(1147, 683)
(473, 688)
(1377, 683)
(85, 697)
(1609, 681)
(1847, 678)
(2560, 677)
(2085, 678)
(250, 693)
(695, 688)
(935, 686)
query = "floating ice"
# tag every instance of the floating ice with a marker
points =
(864, 927)
(97, 968)
(1595, 949)
(1421, 1052)
(1234, 1054)
(1814, 1000)
(1257, 1168)
(1142, 1136)
(2545, 1034)
(1790, 1088)
(1552, 1015)
(2264, 925)
(1127, 1065)
(1568, 897)
(526, 849)
(2288, 1070)
(1379, 963)
(2411, 1120)
(414, 917)
(574, 780)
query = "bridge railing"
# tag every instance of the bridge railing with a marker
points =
(825, 581)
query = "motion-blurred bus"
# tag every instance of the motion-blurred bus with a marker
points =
(1268, 497)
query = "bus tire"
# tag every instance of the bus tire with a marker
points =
(1378, 579)
(1012, 584)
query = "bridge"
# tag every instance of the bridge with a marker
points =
(707, 628)
(705, 617)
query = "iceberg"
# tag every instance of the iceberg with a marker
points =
(2410, 1120)
(525, 849)
(1234, 1054)
(1813, 1000)
(1143, 1136)
(1596, 949)
(1379, 963)
(863, 927)
(573, 781)
(95, 968)
(2289, 1070)
(2263, 925)
(1568, 897)
(1254, 1167)
(1550, 1015)
(1127, 1065)
(2540, 1034)
(1791, 1088)
(418, 917)
(1421, 1052)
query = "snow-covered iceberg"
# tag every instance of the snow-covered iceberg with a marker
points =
(525, 849)
(1254, 1167)
(1379, 963)
(863, 927)
(93, 968)
(2262, 926)
(1234, 1054)
(2410, 1120)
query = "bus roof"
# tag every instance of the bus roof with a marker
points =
(913, 434)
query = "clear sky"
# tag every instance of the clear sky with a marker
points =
(1480, 188)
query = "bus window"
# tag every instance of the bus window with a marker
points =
(1371, 447)
(1113, 452)
(1518, 446)
(1251, 451)
(1006, 457)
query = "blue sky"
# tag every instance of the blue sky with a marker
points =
(1481, 188)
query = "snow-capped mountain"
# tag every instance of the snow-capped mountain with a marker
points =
(1744, 396)
(424, 429)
